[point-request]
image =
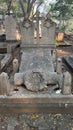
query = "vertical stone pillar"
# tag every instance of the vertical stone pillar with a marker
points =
(59, 66)
(15, 65)
(67, 79)
(4, 84)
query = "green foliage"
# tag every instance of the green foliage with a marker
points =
(62, 8)
(56, 43)
(63, 28)
(1, 1)
(25, 9)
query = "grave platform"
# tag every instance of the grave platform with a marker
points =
(25, 101)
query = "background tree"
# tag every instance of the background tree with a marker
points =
(19, 8)
(62, 10)
(28, 6)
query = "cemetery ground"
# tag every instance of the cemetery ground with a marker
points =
(37, 121)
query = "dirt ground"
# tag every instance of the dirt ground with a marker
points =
(35, 121)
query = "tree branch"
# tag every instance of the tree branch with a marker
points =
(28, 5)
(39, 5)
(22, 7)
(31, 4)
(9, 6)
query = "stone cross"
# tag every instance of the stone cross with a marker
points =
(37, 18)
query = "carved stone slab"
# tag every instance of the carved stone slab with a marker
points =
(48, 33)
(27, 34)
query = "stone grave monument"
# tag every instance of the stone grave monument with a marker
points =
(29, 91)
(36, 67)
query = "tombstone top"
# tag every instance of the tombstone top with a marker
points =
(39, 31)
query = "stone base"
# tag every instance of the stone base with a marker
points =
(36, 103)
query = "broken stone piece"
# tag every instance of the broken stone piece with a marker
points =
(37, 80)
(4, 84)
(18, 79)
(34, 81)
(53, 78)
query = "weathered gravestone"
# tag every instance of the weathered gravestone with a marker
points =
(36, 68)
(47, 28)
(10, 27)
